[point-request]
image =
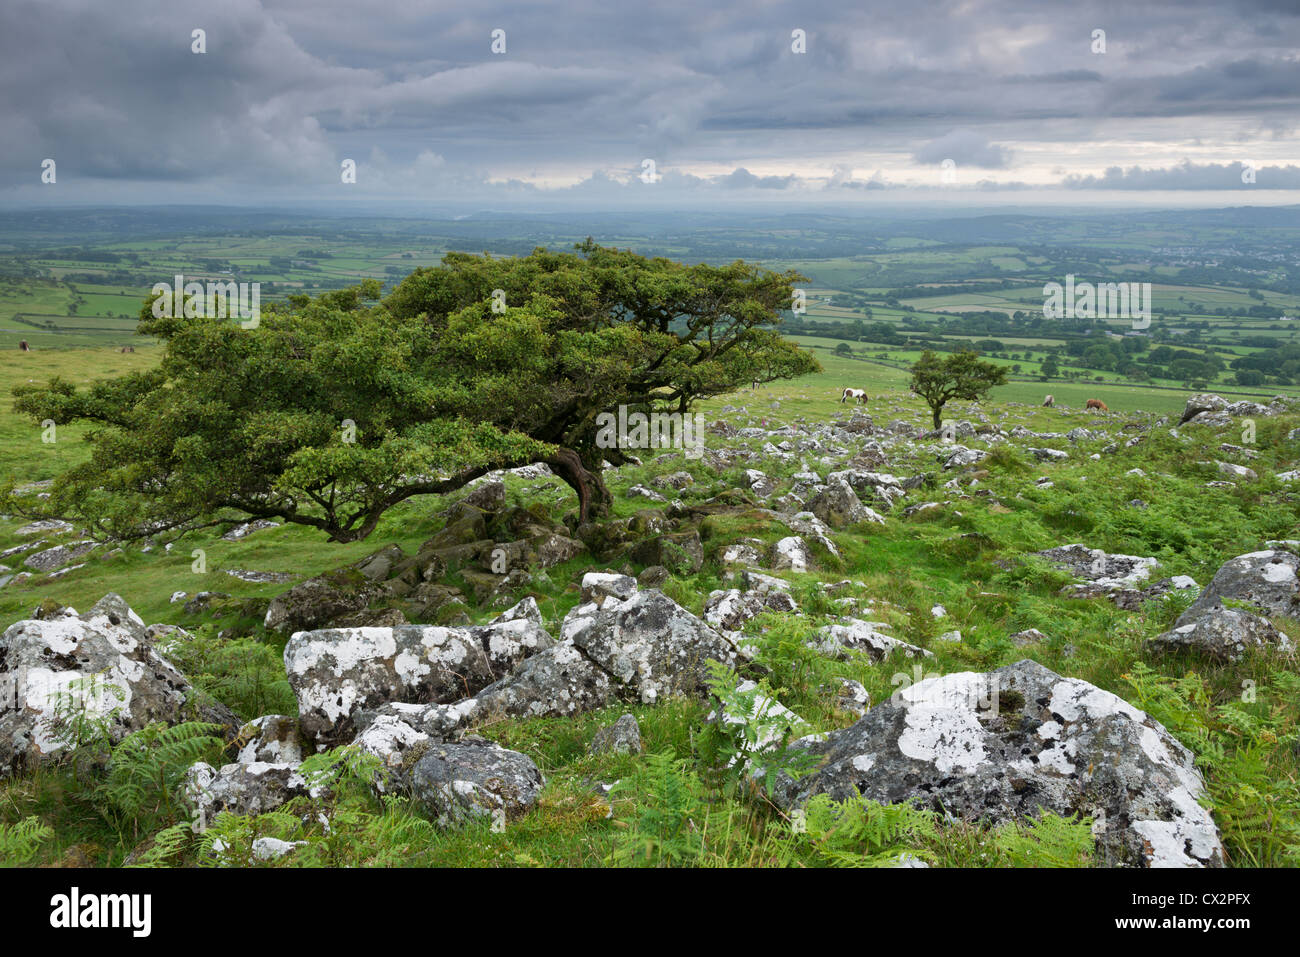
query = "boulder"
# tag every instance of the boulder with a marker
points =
(649, 643)
(243, 789)
(791, 554)
(838, 506)
(320, 601)
(621, 737)
(101, 663)
(1097, 566)
(336, 672)
(1005, 745)
(270, 739)
(1265, 580)
(680, 552)
(1221, 634)
(475, 778)
(1202, 402)
(729, 609)
(863, 637)
(51, 558)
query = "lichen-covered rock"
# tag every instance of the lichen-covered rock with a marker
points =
(838, 506)
(559, 681)
(475, 778)
(680, 552)
(1266, 580)
(1200, 403)
(597, 586)
(1004, 745)
(790, 554)
(959, 457)
(320, 601)
(102, 663)
(813, 529)
(1221, 634)
(51, 558)
(852, 697)
(649, 643)
(243, 789)
(270, 739)
(729, 609)
(1095, 565)
(864, 637)
(621, 737)
(335, 672)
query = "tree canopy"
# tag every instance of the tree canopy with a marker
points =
(959, 376)
(333, 409)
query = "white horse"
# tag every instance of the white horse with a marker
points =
(859, 396)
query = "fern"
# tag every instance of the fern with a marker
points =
(862, 833)
(146, 770)
(19, 843)
(756, 744)
(1048, 840)
(167, 847)
(668, 801)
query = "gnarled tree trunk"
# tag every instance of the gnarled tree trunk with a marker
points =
(593, 498)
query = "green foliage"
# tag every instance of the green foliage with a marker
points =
(147, 767)
(667, 817)
(1245, 749)
(752, 730)
(862, 833)
(960, 375)
(245, 674)
(84, 714)
(20, 842)
(334, 409)
(1048, 840)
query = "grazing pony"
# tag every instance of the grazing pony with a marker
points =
(24, 346)
(1049, 402)
(1096, 404)
(859, 396)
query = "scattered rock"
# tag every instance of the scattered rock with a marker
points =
(1004, 745)
(621, 737)
(103, 662)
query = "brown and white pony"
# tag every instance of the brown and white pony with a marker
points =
(1096, 404)
(1049, 402)
(859, 396)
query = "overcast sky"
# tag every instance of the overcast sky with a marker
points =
(974, 102)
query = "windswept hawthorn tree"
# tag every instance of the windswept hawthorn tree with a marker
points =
(336, 408)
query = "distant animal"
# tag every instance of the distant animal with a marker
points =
(1049, 402)
(1096, 404)
(24, 346)
(859, 396)
(128, 348)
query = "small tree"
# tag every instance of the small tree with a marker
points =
(959, 376)
(843, 349)
(334, 409)
(1050, 367)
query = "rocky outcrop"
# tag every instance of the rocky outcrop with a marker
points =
(101, 665)
(1004, 745)
(336, 672)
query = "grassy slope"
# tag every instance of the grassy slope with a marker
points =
(903, 568)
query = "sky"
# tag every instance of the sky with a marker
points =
(583, 104)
